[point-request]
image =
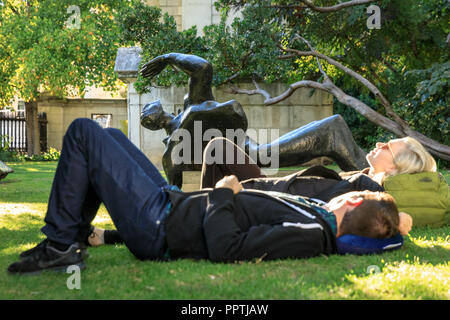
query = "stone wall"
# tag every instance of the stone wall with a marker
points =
(61, 112)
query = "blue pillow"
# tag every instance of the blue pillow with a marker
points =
(352, 244)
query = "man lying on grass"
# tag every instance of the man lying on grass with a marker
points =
(158, 222)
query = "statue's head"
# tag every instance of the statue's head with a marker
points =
(153, 116)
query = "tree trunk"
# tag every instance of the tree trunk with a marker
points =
(32, 124)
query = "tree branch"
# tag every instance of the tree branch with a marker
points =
(312, 50)
(336, 7)
(384, 101)
(310, 5)
(231, 78)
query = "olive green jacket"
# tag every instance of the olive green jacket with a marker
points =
(425, 196)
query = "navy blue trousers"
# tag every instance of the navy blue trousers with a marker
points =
(101, 165)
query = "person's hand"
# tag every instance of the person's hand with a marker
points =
(406, 222)
(230, 182)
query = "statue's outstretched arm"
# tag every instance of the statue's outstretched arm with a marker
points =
(188, 63)
(199, 70)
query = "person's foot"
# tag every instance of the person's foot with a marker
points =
(26, 253)
(97, 237)
(46, 257)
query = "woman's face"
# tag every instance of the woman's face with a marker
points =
(381, 158)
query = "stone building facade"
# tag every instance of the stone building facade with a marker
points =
(188, 13)
(61, 112)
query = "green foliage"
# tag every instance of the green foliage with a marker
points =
(50, 155)
(246, 47)
(9, 155)
(12, 156)
(427, 107)
(5, 142)
(157, 34)
(43, 50)
(365, 133)
(5, 154)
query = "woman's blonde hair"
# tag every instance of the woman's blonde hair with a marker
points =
(413, 158)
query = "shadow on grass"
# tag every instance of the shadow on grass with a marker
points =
(8, 181)
(20, 229)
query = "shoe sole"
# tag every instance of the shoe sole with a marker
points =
(62, 269)
(84, 255)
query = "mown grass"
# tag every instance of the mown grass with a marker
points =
(419, 270)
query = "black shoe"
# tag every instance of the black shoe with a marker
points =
(26, 253)
(45, 257)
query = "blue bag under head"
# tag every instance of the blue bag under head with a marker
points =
(360, 245)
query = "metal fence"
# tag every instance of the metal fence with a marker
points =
(13, 131)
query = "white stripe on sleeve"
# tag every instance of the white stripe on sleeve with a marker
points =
(303, 225)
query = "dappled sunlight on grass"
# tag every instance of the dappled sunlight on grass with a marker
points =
(32, 170)
(22, 208)
(16, 216)
(102, 219)
(23, 221)
(405, 280)
(13, 250)
(35, 166)
(431, 242)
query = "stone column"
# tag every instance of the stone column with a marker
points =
(134, 111)
(32, 123)
(126, 66)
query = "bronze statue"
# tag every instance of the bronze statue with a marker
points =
(199, 105)
(329, 137)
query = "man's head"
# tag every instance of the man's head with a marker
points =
(366, 213)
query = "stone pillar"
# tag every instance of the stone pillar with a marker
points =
(32, 123)
(126, 66)
(134, 111)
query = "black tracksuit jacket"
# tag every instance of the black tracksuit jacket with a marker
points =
(218, 225)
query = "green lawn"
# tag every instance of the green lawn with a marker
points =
(420, 270)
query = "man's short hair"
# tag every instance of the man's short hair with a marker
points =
(376, 217)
